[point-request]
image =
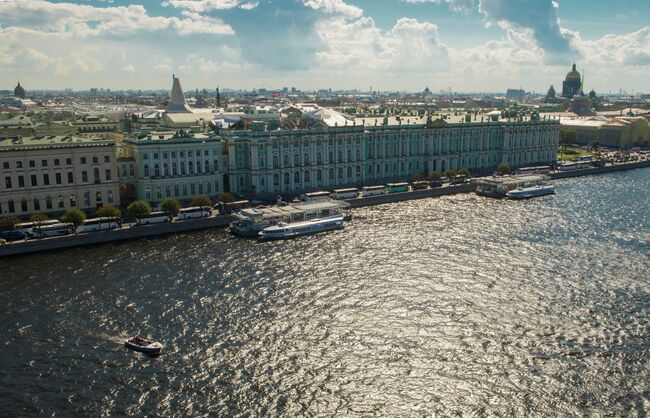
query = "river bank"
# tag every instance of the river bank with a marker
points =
(131, 233)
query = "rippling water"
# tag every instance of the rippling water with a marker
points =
(455, 305)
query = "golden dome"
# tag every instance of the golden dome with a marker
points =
(573, 74)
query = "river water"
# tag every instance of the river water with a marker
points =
(459, 305)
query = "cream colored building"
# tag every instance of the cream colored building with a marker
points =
(55, 173)
(617, 132)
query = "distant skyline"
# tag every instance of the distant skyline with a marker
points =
(465, 45)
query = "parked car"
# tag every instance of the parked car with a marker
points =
(13, 236)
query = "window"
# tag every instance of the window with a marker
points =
(57, 178)
(43, 163)
(96, 175)
(190, 166)
(107, 158)
(209, 188)
(306, 176)
(109, 196)
(37, 204)
(123, 171)
(146, 170)
(168, 191)
(215, 166)
(32, 163)
(84, 176)
(173, 154)
(285, 160)
(73, 201)
(174, 170)
(8, 182)
(33, 180)
(176, 192)
(206, 166)
(340, 173)
(319, 175)
(201, 188)
(68, 161)
(5, 165)
(182, 168)
(287, 179)
(19, 164)
(108, 175)
(198, 167)
(185, 190)
(95, 160)
(156, 170)
(296, 177)
(48, 202)
(331, 174)
(12, 208)
(70, 177)
(132, 170)
(59, 198)
(190, 153)
(181, 154)
(306, 159)
(23, 205)
(46, 179)
(145, 156)
(98, 197)
(155, 155)
(276, 180)
(83, 160)
(57, 162)
(349, 172)
(21, 181)
(87, 199)
(192, 189)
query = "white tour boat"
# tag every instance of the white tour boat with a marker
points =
(527, 192)
(289, 230)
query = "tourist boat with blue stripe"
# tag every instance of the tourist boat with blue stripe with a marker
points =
(285, 230)
(528, 192)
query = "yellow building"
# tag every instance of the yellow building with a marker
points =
(617, 132)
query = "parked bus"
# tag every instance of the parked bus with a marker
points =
(397, 187)
(307, 197)
(194, 212)
(27, 227)
(100, 224)
(345, 193)
(55, 230)
(542, 169)
(228, 208)
(419, 185)
(459, 179)
(152, 218)
(373, 190)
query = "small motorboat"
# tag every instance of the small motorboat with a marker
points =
(151, 348)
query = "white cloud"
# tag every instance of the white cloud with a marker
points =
(455, 5)
(202, 6)
(334, 6)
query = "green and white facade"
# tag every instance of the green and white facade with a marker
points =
(330, 157)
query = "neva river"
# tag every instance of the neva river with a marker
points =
(455, 305)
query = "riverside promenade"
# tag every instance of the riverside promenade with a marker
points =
(138, 232)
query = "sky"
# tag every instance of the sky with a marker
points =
(406, 45)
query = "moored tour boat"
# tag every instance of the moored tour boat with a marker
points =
(527, 192)
(142, 345)
(289, 230)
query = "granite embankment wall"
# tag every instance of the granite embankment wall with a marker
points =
(125, 234)
(599, 170)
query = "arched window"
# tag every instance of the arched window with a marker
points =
(340, 155)
(349, 172)
(61, 202)
(48, 202)
(12, 208)
(206, 166)
(286, 180)
(307, 176)
(358, 171)
(296, 159)
(215, 165)
(331, 174)
(156, 170)
(319, 158)
(146, 170)
(98, 197)
(198, 167)
(319, 175)
(286, 160)
(296, 177)
(166, 169)
(124, 171)
(276, 180)
(340, 173)
(23, 205)
(174, 169)
(73, 201)
(37, 204)
(182, 168)
(306, 159)
(132, 170)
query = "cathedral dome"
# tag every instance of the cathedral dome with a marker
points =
(19, 91)
(573, 74)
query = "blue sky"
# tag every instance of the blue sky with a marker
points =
(466, 45)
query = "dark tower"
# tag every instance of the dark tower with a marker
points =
(218, 98)
(572, 82)
(19, 91)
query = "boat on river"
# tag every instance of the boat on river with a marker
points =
(285, 230)
(528, 192)
(142, 345)
(250, 222)
(498, 187)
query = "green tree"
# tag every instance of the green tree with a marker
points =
(109, 212)
(73, 216)
(450, 173)
(138, 209)
(463, 172)
(226, 198)
(567, 137)
(202, 201)
(594, 146)
(7, 223)
(170, 206)
(503, 168)
(434, 175)
(38, 218)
